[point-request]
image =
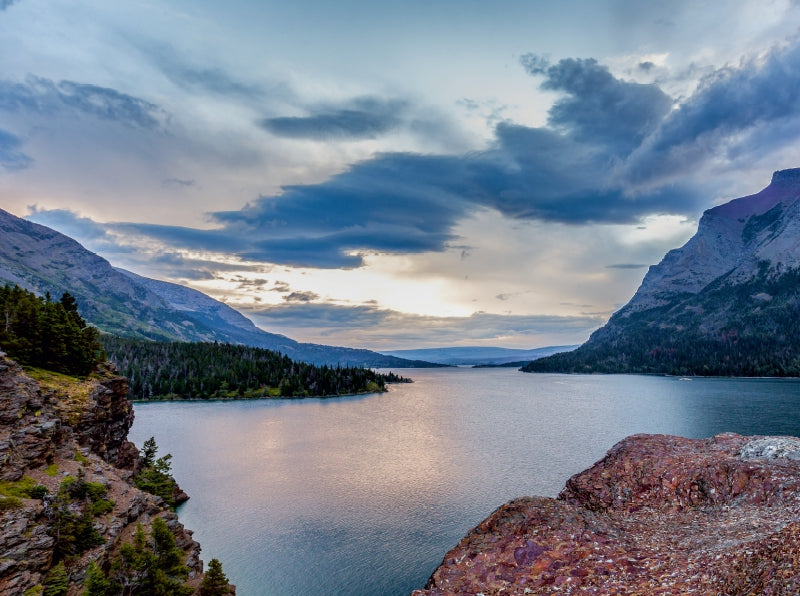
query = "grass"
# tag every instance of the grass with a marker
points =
(72, 392)
(8, 503)
(24, 488)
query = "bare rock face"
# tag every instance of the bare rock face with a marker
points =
(657, 515)
(28, 431)
(105, 423)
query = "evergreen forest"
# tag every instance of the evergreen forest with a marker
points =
(38, 331)
(736, 335)
(184, 370)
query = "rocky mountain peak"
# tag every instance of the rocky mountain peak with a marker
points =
(789, 177)
(732, 240)
(726, 302)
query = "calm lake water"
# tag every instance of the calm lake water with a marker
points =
(364, 495)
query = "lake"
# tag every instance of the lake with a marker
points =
(364, 495)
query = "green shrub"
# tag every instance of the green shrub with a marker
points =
(102, 507)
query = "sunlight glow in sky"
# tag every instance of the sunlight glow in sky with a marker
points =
(395, 175)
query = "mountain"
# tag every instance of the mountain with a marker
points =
(116, 301)
(725, 303)
(477, 355)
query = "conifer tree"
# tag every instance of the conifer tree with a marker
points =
(215, 582)
(57, 582)
(96, 582)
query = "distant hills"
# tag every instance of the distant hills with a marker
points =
(725, 303)
(477, 355)
(116, 301)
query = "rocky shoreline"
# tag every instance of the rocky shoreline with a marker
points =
(657, 515)
(77, 430)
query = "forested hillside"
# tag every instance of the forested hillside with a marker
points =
(38, 331)
(180, 370)
(749, 329)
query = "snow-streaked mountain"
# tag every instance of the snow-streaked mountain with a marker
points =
(116, 301)
(476, 355)
(726, 302)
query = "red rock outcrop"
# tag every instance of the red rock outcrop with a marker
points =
(657, 515)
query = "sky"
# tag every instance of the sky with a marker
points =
(395, 175)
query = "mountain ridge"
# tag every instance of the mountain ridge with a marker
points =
(477, 355)
(120, 302)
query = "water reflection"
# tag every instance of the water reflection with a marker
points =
(364, 495)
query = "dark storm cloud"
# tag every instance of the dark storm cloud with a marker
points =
(395, 203)
(11, 158)
(362, 118)
(597, 107)
(409, 203)
(731, 108)
(608, 155)
(41, 95)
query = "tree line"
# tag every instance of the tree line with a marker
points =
(190, 370)
(38, 331)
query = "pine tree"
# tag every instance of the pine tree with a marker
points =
(215, 583)
(57, 582)
(96, 582)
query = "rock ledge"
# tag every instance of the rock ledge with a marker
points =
(657, 515)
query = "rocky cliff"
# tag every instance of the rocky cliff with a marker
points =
(657, 515)
(57, 431)
(725, 303)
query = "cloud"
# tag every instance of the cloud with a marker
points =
(11, 158)
(368, 326)
(280, 287)
(599, 108)
(41, 95)
(177, 183)
(130, 252)
(213, 80)
(69, 223)
(361, 118)
(627, 266)
(4, 4)
(613, 152)
(757, 100)
(246, 283)
(301, 297)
